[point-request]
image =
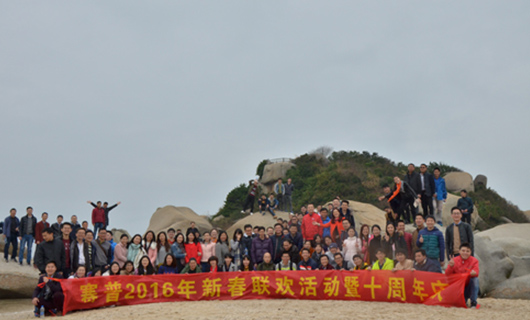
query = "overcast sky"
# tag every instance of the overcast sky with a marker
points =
(176, 102)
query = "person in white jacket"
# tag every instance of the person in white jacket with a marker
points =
(351, 246)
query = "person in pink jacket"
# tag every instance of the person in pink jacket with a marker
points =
(149, 245)
(208, 250)
(120, 251)
(466, 263)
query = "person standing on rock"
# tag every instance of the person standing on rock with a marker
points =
(412, 178)
(251, 196)
(457, 233)
(11, 231)
(288, 198)
(98, 216)
(106, 211)
(440, 195)
(279, 191)
(428, 189)
(28, 224)
(466, 206)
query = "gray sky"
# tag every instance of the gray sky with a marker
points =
(172, 102)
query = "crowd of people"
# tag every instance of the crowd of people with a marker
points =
(322, 238)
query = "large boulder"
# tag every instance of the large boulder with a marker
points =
(527, 214)
(17, 282)
(365, 213)
(512, 230)
(481, 180)
(116, 234)
(456, 181)
(517, 288)
(495, 265)
(257, 219)
(274, 171)
(176, 218)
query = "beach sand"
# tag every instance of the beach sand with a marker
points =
(283, 309)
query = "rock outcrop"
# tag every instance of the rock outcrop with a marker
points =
(456, 181)
(481, 180)
(176, 218)
(17, 282)
(274, 171)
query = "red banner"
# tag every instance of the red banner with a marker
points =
(401, 286)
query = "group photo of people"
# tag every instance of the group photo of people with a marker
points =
(321, 237)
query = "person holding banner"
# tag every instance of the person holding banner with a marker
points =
(191, 267)
(49, 292)
(267, 264)
(128, 269)
(324, 263)
(145, 268)
(466, 263)
(169, 266)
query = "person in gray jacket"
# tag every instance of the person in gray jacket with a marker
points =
(102, 247)
(457, 233)
(288, 196)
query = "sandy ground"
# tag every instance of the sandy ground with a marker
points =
(284, 309)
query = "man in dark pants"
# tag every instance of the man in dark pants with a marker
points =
(11, 225)
(251, 196)
(412, 178)
(465, 204)
(428, 188)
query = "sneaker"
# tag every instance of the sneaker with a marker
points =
(5, 259)
(14, 259)
(473, 305)
(21, 263)
(242, 211)
(251, 213)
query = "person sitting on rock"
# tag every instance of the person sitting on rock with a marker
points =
(466, 206)
(465, 263)
(49, 293)
(272, 205)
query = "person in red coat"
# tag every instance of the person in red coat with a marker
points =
(311, 224)
(465, 263)
(41, 225)
(98, 217)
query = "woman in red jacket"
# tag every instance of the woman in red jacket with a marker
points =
(193, 247)
(335, 226)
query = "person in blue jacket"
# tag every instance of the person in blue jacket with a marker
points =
(432, 241)
(439, 196)
(465, 204)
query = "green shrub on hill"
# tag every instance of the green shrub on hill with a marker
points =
(491, 207)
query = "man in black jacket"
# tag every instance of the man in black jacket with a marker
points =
(50, 249)
(428, 188)
(457, 233)
(28, 223)
(412, 178)
(81, 253)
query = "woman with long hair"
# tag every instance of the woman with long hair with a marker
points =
(128, 269)
(193, 247)
(236, 247)
(169, 266)
(392, 241)
(365, 240)
(149, 245)
(178, 250)
(145, 267)
(79, 273)
(162, 248)
(208, 250)
(374, 244)
(246, 264)
(120, 250)
(335, 225)
(135, 251)
(114, 270)
(222, 246)
(351, 246)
